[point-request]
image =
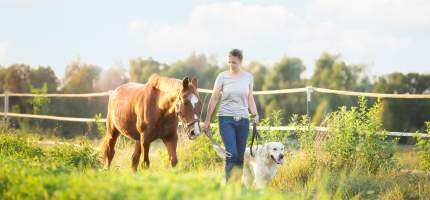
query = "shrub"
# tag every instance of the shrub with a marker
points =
(13, 145)
(424, 150)
(273, 120)
(356, 139)
(199, 154)
(81, 157)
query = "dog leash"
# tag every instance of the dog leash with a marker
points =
(219, 149)
(255, 136)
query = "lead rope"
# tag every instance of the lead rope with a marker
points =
(218, 148)
(255, 137)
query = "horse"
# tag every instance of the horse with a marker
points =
(152, 111)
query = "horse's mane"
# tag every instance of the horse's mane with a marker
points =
(164, 84)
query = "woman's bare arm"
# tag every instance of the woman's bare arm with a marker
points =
(211, 106)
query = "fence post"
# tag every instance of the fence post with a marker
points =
(309, 90)
(6, 106)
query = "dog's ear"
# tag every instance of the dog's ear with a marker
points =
(267, 150)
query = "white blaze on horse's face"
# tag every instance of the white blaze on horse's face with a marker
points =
(194, 100)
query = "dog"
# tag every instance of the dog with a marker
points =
(260, 167)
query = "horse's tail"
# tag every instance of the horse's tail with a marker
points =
(109, 140)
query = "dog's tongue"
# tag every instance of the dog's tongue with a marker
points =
(275, 160)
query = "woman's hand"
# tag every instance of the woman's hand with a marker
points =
(207, 128)
(256, 119)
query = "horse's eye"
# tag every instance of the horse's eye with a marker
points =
(274, 149)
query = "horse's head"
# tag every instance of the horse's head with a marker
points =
(188, 107)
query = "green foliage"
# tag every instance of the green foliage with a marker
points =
(284, 74)
(67, 171)
(65, 155)
(18, 182)
(100, 126)
(356, 138)
(82, 156)
(80, 77)
(13, 146)
(333, 73)
(330, 71)
(305, 131)
(299, 175)
(40, 103)
(272, 120)
(400, 114)
(63, 172)
(198, 155)
(40, 76)
(142, 69)
(16, 78)
(424, 150)
(4, 127)
(196, 65)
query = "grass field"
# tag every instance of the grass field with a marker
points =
(349, 164)
(31, 171)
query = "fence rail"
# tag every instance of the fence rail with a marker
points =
(308, 90)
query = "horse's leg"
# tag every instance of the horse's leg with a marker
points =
(136, 155)
(171, 143)
(144, 144)
(144, 130)
(109, 145)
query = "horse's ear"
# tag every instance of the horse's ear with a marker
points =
(194, 82)
(185, 82)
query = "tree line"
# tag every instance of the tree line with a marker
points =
(330, 71)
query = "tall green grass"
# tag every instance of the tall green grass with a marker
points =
(424, 149)
(352, 161)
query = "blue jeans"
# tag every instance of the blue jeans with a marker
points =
(234, 135)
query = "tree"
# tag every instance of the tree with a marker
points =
(196, 65)
(404, 114)
(17, 78)
(141, 69)
(44, 75)
(333, 73)
(2, 78)
(112, 78)
(283, 75)
(80, 77)
(259, 72)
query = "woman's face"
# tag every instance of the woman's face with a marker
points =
(234, 63)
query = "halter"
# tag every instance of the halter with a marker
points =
(185, 126)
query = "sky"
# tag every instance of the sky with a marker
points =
(387, 35)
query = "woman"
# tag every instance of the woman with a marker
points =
(237, 102)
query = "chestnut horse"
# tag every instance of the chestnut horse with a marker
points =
(148, 112)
